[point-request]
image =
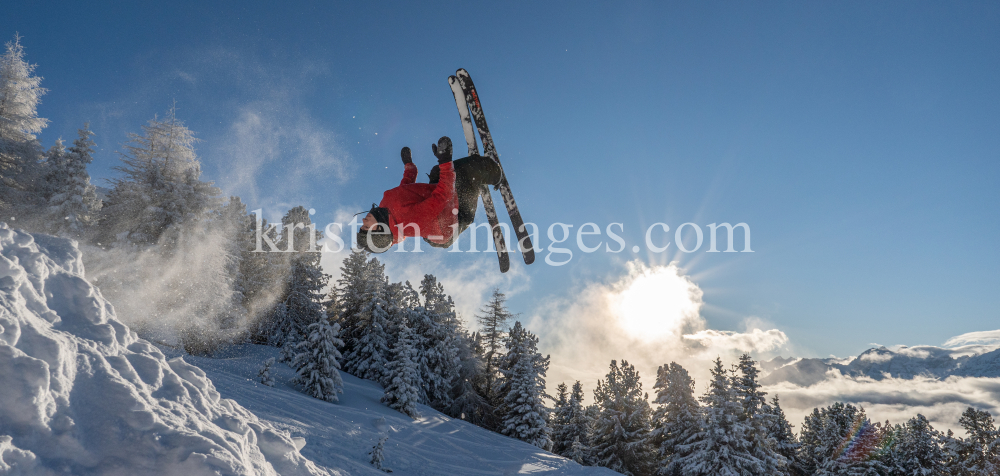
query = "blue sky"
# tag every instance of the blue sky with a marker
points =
(859, 140)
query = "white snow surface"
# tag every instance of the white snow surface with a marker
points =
(81, 394)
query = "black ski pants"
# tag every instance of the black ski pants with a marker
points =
(471, 173)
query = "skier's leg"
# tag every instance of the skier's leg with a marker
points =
(470, 174)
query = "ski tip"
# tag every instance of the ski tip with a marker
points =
(529, 256)
(452, 79)
(461, 72)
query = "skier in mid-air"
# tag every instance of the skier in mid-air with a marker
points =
(438, 211)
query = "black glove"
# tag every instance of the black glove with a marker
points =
(442, 150)
(405, 154)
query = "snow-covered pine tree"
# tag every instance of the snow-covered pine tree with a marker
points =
(73, 205)
(493, 328)
(440, 332)
(982, 447)
(316, 360)
(21, 175)
(579, 427)
(403, 391)
(161, 190)
(780, 432)
(352, 293)
(559, 420)
(723, 447)
(264, 374)
(467, 402)
(917, 450)
(303, 297)
(369, 348)
(377, 452)
(756, 415)
(677, 418)
(826, 436)
(523, 375)
(620, 438)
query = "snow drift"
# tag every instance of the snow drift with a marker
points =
(81, 394)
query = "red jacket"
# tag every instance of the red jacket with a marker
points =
(431, 207)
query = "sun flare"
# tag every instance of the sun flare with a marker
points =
(656, 302)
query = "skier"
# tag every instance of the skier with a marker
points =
(438, 211)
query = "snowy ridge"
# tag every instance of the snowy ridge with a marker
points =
(896, 362)
(82, 394)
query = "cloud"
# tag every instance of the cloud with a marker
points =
(587, 329)
(893, 399)
(987, 338)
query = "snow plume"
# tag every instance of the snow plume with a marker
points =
(894, 399)
(163, 294)
(82, 394)
(649, 317)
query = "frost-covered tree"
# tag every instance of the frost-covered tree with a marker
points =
(369, 348)
(264, 374)
(161, 191)
(677, 419)
(440, 331)
(523, 371)
(724, 444)
(73, 205)
(403, 390)
(316, 360)
(620, 437)
(467, 401)
(779, 432)
(756, 415)
(917, 450)
(981, 450)
(21, 175)
(493, 329)
(569, 424)
(840, 439)
(303, 296)
(378, 452)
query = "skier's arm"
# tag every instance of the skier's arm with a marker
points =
(409, 175)
(410, 172)
(444, 190)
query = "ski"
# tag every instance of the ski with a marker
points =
(489, 150)
(470, 140)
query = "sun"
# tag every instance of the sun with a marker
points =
(656, 302)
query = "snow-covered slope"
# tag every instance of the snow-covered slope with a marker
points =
(81, 394)
(340, 435)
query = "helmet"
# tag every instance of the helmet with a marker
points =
(377, 239)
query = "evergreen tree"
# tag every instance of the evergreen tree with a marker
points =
(264, 374)
(440, 331)
(982, 447)
(830, 442)
(260, 279)
(917, 450)
(73, 205)
(21, 180)
(779, 431)
(724, 446)
(316, 360)
(161, 191)
(677, 417)
(569, 424)
(303, 296)
(523, 370)
(377, 452)
(493, 328)
(467, 402)
(621, 429)
(403, 391)
(756, 415)
(369, 339)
